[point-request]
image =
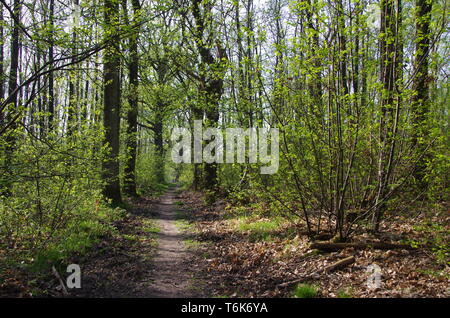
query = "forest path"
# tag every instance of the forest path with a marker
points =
(147, 257)
(171, 276)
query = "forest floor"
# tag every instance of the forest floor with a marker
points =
(249, 254)
(178, 246)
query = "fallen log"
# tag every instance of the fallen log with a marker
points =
(327, 269)
(330, 246)
(339, 264)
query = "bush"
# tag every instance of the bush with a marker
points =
(53, 206)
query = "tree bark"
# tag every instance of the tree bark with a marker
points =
(51, 92)
(2, 57)
(420, 100)
(131, 142)
(111, 105)
(212, 88)
(72, 111)
(13, 94)
(388, 76)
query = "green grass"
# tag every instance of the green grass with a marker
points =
(305, 291)
(181, 222)
(77, 239)
(194, 244)
(206, 255)
(185, 226)
(150, 226)
(434, 273)
(155, 190)
(129, 237)
(258, 230)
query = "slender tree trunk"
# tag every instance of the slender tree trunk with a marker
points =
(73, 78)
(51, 80)
(388, 76)
(14, 66)
(158, 141)
(197, 114)
(2, 57)
(13, 94)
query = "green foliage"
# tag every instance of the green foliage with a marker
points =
(259, 229)
(147, 179)
(305, 291)
(347, 140)
(54, 207)
(181, 222)
(210, 197)
(436, 236)
(77, 238)
(193, 244)
(151, 227)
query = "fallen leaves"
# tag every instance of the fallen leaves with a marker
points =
(239, 267)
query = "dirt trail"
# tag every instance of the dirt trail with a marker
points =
(171, 276)
(130, 264)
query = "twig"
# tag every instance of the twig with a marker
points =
(63, 287)
(339, 264)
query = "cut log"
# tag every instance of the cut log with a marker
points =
(328, 269)
(330, 246)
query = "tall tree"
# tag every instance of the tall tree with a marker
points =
(51, 76)
(389, 112)
(420, 100)
(2, 57)
(13, 93)
(111, 102)
(73, 78)
(133, 97)
(213, 69)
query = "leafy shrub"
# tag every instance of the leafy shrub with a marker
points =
(436, 236)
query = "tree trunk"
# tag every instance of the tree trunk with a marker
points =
(12, 97)
(2, 57)
(131, 142)
(51, 93)
(388, 76)
(72, 111)
(420, 102)
(111, 105)
(212, 88)
(158, 141)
